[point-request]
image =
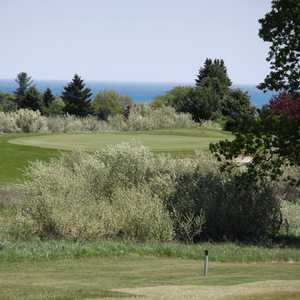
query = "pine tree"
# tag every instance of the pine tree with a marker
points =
(48, 98)
(212, 87)
(32, 99)
(77, 98)
(214, 73)
(24, 82)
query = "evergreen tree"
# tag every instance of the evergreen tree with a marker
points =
(77, 98)
(32, 99)
(48, 98)
(24, 82)
(212, 86)
(214, 73)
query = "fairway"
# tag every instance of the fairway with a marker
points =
(135, 277)
(184, 141)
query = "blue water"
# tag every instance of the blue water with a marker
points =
(139, 92)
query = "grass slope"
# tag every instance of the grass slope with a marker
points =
(14, 158)
(96, 278)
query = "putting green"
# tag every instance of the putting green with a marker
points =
(177, 141)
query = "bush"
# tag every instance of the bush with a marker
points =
(116, 192)
(8, 123)
(146, 118)
(141, 118)
(234, 208)
(22, 120)
(125, 191)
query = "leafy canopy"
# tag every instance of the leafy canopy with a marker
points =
(273, 138)
(109, 102)
(281, 28)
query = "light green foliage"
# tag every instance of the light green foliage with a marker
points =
(291, 216)
(176, 97)
(22, 120)
(141, 118)
(146, 118)
(56, 108)
(116, 192)
(109, 103)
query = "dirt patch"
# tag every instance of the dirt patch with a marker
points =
(9, 195)
(212, 292)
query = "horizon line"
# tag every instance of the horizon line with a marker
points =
(182, 83)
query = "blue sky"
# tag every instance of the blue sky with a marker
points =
(131, 40)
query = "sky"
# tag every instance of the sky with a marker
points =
(131, 40)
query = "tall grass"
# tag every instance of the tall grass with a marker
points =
(140, 118)
(226, 252)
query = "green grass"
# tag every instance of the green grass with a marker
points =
(14, 158)
(96, 278)
(179, 141)
(219, 252)
(16, 150)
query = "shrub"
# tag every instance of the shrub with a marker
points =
(234, 208)
(22, 120)
(141, 118)
(146, 118)
(8, 123)
(125, 191)
(116, 192)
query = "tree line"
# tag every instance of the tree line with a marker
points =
(76, 99)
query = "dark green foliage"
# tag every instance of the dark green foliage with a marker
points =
(237, 110)
(234, 208)
(204, 101)
(214, 75)
(272, 139)
(212, 85)
(48, 98)
(7, 102)
(281, 28)
(77, 98)
(32, 99)
(24, 82)
(109, 102)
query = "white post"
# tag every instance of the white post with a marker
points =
(205, 263)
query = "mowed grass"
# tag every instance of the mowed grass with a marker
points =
(15, 158)
(180, 141)
(17, 150)
(96, 278)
